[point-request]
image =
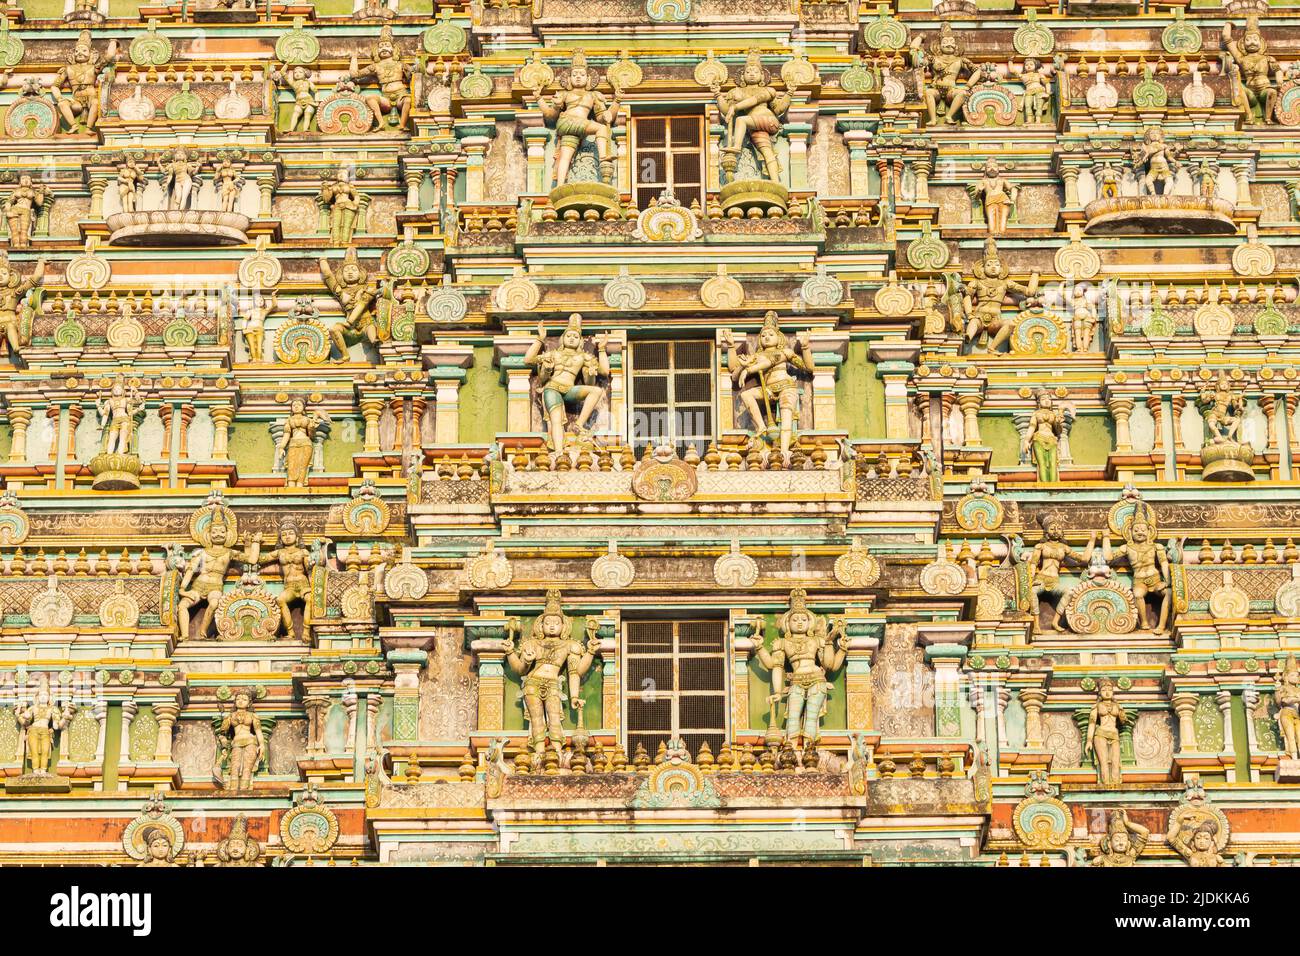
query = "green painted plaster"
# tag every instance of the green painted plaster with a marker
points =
(998, 432)
(112, 745)
(482, 400)
(860, 395)
(592, 689)
(760, 686)
(1240, 740)
(1091, 439)
(6, 441)
(251, 446)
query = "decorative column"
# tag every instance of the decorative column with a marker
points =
(535, 140)
(797, 134)
(19, 419)
(1184, 704)
(476, 153)
(406, 664)
(166, 712)
(1070, 175)
(894, 365)
(414, 179)
(946, 659)
(371, 409)
(922, 168)
(1003, 698)
(129, 709)
(829, 351)
(373, 702)
(1242, 174)
(859, 693)
(99, 710)
(266, 192)
(1157, 409)
(1177, 403)
(1032, 700)
(1224, 699)
(186, 416)
(857, 137)
(1279, 432)
(222, 417)
(1121, 409)
(447, 373)
(317, 707)
(510, 352)
(321, 435)
(97, 187)
(970, 403)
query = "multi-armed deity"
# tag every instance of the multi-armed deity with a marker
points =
(240, 733)
(940, 73)
(812, 651)
(15, 316)
(580, 114)
(297, 442)
(80, 109)
(1197, 831)
(1105, 720)
(559, 371)
(1224, 456)
(984, 296)
(40, 719)
(772, 365)
(1255, 74)
(539, 659)
(1155, 163)
(1149, 562)
(393, 75)
(180, 178)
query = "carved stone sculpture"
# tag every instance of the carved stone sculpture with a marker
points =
(548, 651)
(559, 371)
(1105, 720)
(393, 75)
(811, 651)
(771, 366)
(242, 741)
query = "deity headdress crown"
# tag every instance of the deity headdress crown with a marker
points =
(1291, 671)
(83, 45)
(798, 605)
(385, 40)
(575, 323)
(1104, 683)
(754, 61)
(945, 33)
(1252, 31)
(553, 608)
(771, 321)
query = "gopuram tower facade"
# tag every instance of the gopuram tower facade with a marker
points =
(695, 431)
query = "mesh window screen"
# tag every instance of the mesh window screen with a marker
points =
(675, 683)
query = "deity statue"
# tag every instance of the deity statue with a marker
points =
(1123, 843)
(117, 411)
(1042, 442)
(752, 110)
(998, 196)
(1149, 562)
(13, 287)
(81, 76)
(1199, 849)
(22, 209)
(1155, 163)
(203, 580)
(130, 184)
(239, 849)
(812, 651)
(1045, 565)
(581, 113)
(254, 328)
(241, 734)
(158, 847)
(944, 68)
(180, 178)
(1223, 408)
(1083, 319)
(1105, 720)
(1286, 694)
(228, 181)
(558, 372)
(303, 84)
(1036, 77)
(539, 660)
(357, 294)
(41, 718)
(984, 296)
(1256, 75)
(296, 564)
(297, 442)
(342, 201)
(392, 75)
(772, 363)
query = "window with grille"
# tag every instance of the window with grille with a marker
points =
(672, 394)
(669, 154)
(675, 684)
